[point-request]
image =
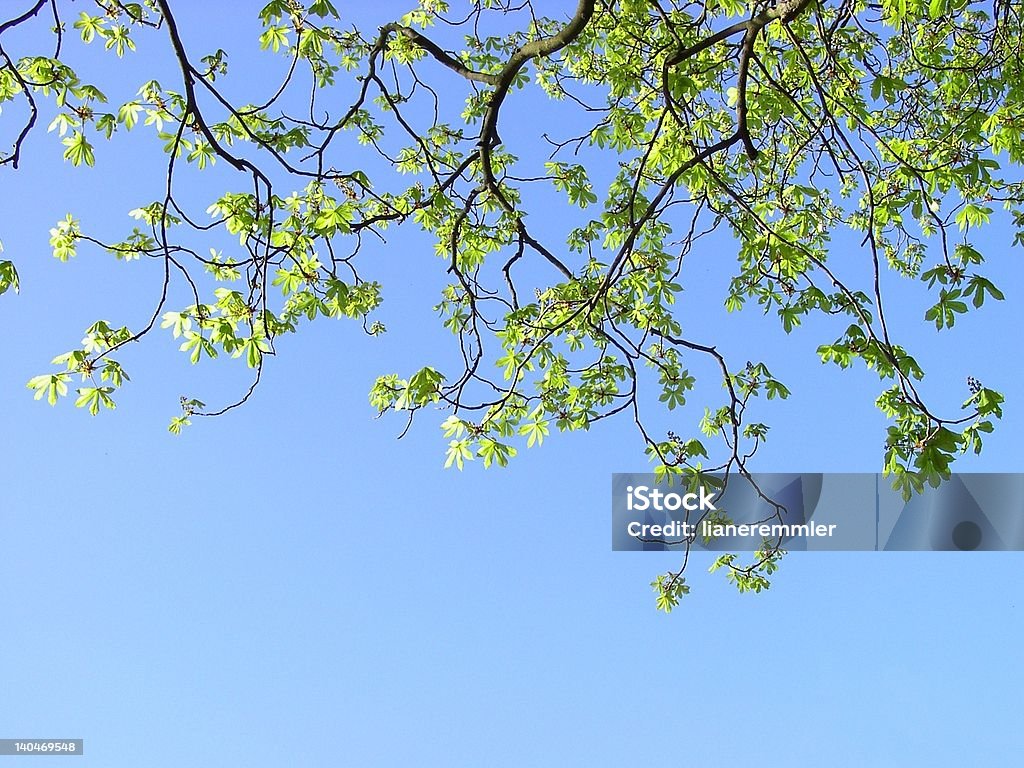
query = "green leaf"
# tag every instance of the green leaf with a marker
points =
(52, 386)
(492, 451)
(275, 38)
(535, 431)
(79, 150)
(973, 215)
(90, 26)
(8, 277)
(424, 386)
(63, 238)
(179, 323)
(459, 453)
(978, 287)
(93, 397)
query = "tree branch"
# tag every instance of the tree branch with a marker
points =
(438, 53)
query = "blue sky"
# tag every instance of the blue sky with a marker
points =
(290, 585)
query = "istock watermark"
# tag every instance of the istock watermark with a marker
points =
(815, 511)
(642, 497)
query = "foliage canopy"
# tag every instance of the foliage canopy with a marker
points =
(893, 125)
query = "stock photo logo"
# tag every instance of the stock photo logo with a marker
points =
(815, 511)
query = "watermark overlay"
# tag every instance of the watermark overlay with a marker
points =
(814, 511)
(26, 747)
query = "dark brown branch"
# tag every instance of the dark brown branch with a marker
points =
(24, 17)
(15, 157)
(785, 11)
(489, 130)
(428, 45)
(191, 103)
(532, 50)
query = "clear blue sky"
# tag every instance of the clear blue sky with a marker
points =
(290, 585)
